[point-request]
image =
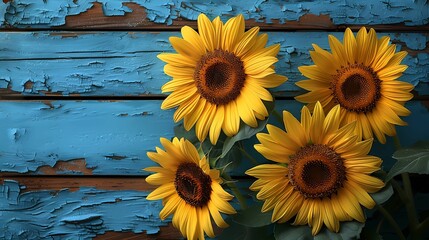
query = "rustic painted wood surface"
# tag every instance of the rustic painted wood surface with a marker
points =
(125, 63)
(77, 108)
(143, 13)
(112, 138)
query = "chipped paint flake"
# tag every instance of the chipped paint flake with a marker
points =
(88, 64)
(37, 13)
(82, 214)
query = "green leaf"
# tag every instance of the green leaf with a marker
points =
(253, 217)
(286, 231)
(411, 160)
(245, 131)
(237, 231)
(383, 195)
(180, 131)
(348, 230)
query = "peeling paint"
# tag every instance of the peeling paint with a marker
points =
(89, 64)
(112, 145)
(36, 13)
(82, 214)
(36, 134)
(72, 166)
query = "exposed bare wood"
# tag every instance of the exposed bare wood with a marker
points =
(95, 19)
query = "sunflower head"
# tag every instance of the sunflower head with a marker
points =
(361, 75)
(220, 75)
(189, 189)
(322, 171)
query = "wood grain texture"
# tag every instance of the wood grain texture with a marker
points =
(125, 63)
(112, 138)
(143, 14)
(80, 214)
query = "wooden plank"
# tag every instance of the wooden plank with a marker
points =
(112, 138)
(104, 208)
(125, 63)
(152, 14)
(83, 213)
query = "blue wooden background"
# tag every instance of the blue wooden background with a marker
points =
(80, 99)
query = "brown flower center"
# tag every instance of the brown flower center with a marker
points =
(316, 171)
(192, 184)
(356, 88)
(219, 76)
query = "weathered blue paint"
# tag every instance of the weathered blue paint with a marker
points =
(122, 63)
(82, 214)
(36, 13)
(113, 137)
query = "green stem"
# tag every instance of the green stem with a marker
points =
(409, 204)
(391, 221)
(238, 195)
(379, 225)
(278, 116)
(247, 155)
(408, 200)
(423, 226)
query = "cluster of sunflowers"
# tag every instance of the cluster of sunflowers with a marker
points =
(321, 173)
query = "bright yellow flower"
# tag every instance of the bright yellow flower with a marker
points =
(324, 175)
(219, 76)
(189, 189)
(361, 75)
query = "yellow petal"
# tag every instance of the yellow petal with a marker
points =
(217, 124)
(169, 207)
(216, 215)
(361, 195)
(258, 65)
(368, 183)
(247, 42)
(184, 48)
(329, 217)
(315, 72)
(337, 50)
(232, 32)
(371, 47)
(177, 59)
(206, 221)
(323, 62)
(193, 38)
(267, 170)
(245, 112)
(270, 81)
(186, 107)
(218, 31)
(162, 191)
(261, 92)
(205, 121)
(177, 83)
(350, 46)
(178, 96)
(350, 205)
(361, 41)
(192, 117)
(206, 31)
(294, 128)
(231, 121)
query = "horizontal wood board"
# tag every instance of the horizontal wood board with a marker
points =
(72, 167)
(125, 63)
(112, 137)
(144, 14)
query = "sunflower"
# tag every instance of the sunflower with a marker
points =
(189, 189)
(220, 76)
(361, 75)
(324, 171)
